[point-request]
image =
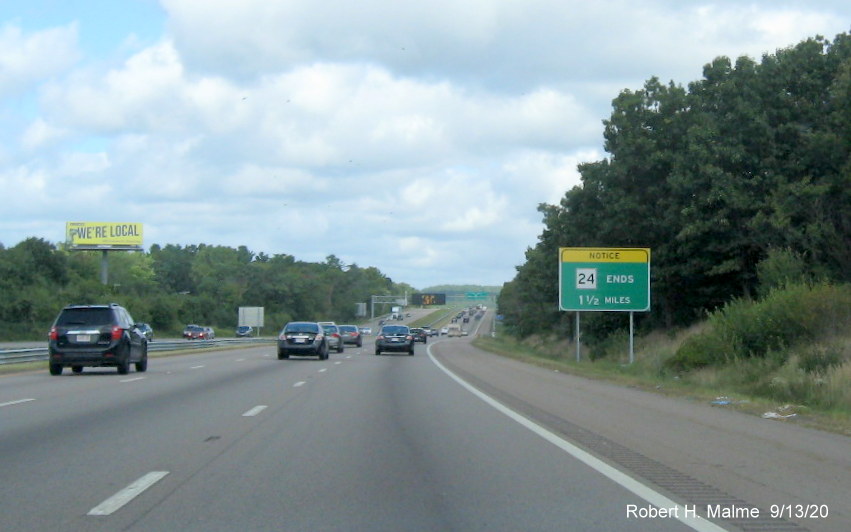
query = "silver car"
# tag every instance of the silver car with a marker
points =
(333, 336)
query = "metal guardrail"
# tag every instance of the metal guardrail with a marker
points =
(37, 354)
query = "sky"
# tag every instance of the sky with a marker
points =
(415, 137)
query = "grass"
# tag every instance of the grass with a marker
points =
(754, 386)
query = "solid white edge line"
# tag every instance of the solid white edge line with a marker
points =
(254, 411)
(129, 493)
(645, 492)
(134, 379)
(19, 401)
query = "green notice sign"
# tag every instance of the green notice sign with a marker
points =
(604, 279)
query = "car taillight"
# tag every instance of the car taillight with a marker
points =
(336, 335)
(116, 332)
(54, 334)
(409, 337)
(380, 337)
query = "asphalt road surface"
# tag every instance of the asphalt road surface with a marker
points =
(449, 439)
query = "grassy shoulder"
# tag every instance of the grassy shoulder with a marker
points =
(730, 386)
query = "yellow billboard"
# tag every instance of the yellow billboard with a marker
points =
(104, 235)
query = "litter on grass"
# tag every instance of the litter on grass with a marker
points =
(783, 412)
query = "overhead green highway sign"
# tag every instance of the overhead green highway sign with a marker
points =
(604, 279)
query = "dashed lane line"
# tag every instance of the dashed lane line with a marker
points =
(17, 402)
(254, 411)
(114, 503)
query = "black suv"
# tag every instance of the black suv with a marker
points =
(96, 335)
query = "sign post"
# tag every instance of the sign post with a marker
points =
(606, 280)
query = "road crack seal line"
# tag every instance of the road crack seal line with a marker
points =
(679, 484)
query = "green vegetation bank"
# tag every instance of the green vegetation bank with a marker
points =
(740, 183)
(171, 286)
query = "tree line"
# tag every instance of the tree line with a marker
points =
(748, 164)
(172, 285)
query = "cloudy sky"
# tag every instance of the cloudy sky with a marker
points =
(416, 137)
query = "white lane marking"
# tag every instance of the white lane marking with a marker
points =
(240, 360)
(129, 493)
(323, 370)
(254, 411)
(299, 384)
(348, 356)
(197, 367)
(19, 401)
(645, 492)
(337, 363)
(132, 380)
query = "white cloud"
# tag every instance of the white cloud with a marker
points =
(436, 126)
(26, 60)
(40, 133)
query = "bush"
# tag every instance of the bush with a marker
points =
(789, 316)
(698, 351)
(779, 269)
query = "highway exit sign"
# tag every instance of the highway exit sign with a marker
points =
(604, 279)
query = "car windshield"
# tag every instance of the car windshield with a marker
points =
(394, 330)
(301, 328)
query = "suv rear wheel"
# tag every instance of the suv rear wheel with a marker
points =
(56, 369)
(142, 365)
(123, 356)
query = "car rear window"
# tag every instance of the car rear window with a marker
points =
(395, 330)
(348, 328)
(85, 316)
(301, 328)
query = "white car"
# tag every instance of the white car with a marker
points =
(444, 330)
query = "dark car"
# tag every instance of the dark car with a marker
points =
(419, 334)
(394, 338)
(244, 330)
(302, 338)
(196, 332)
(351, 335)
(146, 329)
(191, 330)
(96, 335)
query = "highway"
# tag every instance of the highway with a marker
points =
(449, 439)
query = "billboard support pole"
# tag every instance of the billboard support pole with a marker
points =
(104, 267)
